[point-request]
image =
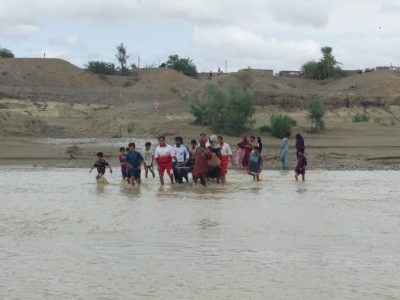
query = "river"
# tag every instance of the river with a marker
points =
(62, 236)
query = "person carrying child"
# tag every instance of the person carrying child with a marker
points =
(148, 158)
(301, 166)
(101, 164)
(201, 163)
(255, 163)
(134, 160)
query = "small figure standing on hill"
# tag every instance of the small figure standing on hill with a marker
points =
(157, 103)
(100, 165)
(301, 166)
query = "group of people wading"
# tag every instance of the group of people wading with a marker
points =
(207, 159)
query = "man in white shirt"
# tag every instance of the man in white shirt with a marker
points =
(226, 154)
(181, 159)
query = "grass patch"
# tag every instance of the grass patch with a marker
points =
(3, 106)
(265, 129)
(281, 125)
(359, 117)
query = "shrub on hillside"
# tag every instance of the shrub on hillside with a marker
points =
(281, 125)
(326, 67)
(6, 53)
(265, 129)
(246, 78)
(184, 65)
(359, 117)
(100, 67)
(316, 113)
(227, 111)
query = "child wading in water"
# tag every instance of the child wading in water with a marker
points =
(148, 158)
(255, 164)
(301, 166)
(100, 165)
(134, 160)
(122, 157)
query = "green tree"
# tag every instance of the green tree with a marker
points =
(316, 113)
(100, 67)
(228, 111)
(184, 65)
(122, 57)
(6, 53)
(238, 111)
(281, 125)
(326, 67)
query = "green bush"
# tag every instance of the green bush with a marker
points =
(281, 126)
(6, 53)
(265, 129)
(227, 111)
(184, 65)
(359, 117)
(326, 67)
(316, 113)
(102, 68)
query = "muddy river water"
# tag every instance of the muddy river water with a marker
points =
(62, 236)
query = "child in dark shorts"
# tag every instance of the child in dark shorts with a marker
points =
(301, 166)
(134, 160)
(100, 165)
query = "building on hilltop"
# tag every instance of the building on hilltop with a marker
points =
(268, 72)
(290, 74)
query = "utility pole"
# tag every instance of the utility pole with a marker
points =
(138, 62)
(226, 66)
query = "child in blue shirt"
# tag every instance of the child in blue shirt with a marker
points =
(134, 160)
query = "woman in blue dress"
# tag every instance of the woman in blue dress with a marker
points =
(284, 154)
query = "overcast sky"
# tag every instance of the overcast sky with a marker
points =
(265, 34)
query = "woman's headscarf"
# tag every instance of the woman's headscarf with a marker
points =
(299, 141)
(214, 144)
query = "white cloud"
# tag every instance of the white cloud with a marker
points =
(277, 34)
(71, 41)
(18, 30)
(313, 13)
(18, 13)
(245, 48)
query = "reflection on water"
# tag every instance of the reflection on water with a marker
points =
(336, 236)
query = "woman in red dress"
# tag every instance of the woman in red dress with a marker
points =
(247, 150)
(200, 163)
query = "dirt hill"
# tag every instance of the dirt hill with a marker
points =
(39, 72)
